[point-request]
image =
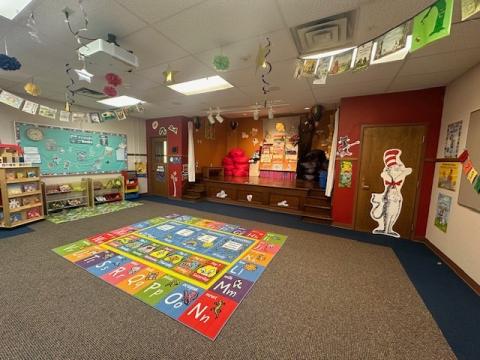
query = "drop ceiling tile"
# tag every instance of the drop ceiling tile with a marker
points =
(463, 59)
(422, 81)
(218, 23)
(151, 48)
(372, 73)
(153, 11)
(243, 54)
(188, 69)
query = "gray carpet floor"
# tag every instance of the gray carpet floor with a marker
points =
(321, 297)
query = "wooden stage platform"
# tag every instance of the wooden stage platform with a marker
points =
(298, 197)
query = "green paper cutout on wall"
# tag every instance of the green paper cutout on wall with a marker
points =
(432, 24)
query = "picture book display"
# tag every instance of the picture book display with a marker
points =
(194, 270)
(67, 151)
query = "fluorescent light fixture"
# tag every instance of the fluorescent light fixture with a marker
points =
(120, 101)
(327, 53)
(11, 8)
(200, 86)
(398, 55)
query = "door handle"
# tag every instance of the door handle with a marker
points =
(365, 186)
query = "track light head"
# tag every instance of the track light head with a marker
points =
(270, 113)
(210, 117)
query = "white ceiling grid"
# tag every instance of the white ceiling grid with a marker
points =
(185, 35)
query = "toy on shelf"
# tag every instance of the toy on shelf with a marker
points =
(10, 154)
(65, 196)
(131, 184)
(106, 190)
(20, 192)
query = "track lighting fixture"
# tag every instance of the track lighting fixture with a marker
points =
(219, 117)
(270, 113)
(210, 117)
(256, 113)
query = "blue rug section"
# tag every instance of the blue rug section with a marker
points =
(5, 233)
(452, 303)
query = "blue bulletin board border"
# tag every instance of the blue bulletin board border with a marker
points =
(109, 167)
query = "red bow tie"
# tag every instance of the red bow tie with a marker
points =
(393, 183)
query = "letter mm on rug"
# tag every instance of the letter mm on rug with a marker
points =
(196, 271)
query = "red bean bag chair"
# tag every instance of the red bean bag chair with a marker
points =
(239, 173)
(243, 167)
(237, 152)
(228, 172)
(227, 160)
(229, 167)
(241, 160)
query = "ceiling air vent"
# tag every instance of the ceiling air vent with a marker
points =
(324, 34)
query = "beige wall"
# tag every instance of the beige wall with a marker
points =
(461, 242)
(134, 128)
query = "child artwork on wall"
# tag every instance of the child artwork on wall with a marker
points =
(443, 210)
(344, 146)
(387, 206)
(452, 140)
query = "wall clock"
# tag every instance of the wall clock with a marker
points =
(34, 134)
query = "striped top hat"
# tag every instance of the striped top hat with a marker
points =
(392, 157)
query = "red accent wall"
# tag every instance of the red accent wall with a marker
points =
(420, 106)
(178, 140)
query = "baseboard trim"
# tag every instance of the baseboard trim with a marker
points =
(342, 225)
(462, 274)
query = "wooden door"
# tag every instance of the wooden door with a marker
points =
(376, 140)
(158, 166)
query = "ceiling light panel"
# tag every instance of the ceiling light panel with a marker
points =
(120, 101)
(11, 8)
(200, 86)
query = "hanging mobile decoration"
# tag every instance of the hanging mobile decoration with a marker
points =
(169, 76)
(9, 63)
(221, 62)
(69, 94)
(262, 62)
(84, 75)
(77, 34)
(32, 28)
(31, 88)
(113, 79)
(110, 90)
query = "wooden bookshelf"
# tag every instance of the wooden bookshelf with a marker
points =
(66, 195)
(20, 195)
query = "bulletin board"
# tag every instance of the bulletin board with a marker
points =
(67, 151)
(468, 196)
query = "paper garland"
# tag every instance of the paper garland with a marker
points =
(34, 108)
(470, 172)
(431, 24)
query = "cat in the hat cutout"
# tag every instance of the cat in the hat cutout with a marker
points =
(386, 207)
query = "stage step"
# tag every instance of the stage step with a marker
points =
(317, 193)
(318, 220)
(317, 200)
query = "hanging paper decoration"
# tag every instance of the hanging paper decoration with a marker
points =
(169, 76)
(262, 62)
(432, 24)
(321, 73)
(309, 66)
(469, 8)
(9, 63)
(113, 79)
(221, 62)
(32, 89)
(233, 125)
(386, 206)
(362, 58)
(470, 172)
(69, 94)
(67, 12)
(84, 75)
(32, 28)
(110, 91)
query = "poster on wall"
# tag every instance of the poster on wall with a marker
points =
(387, 206)
(448, 175)
(345, 178)
(442, 212)
(452, 140)
(341, 63)
(67, 151)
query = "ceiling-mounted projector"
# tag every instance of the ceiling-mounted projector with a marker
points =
(100, 49)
